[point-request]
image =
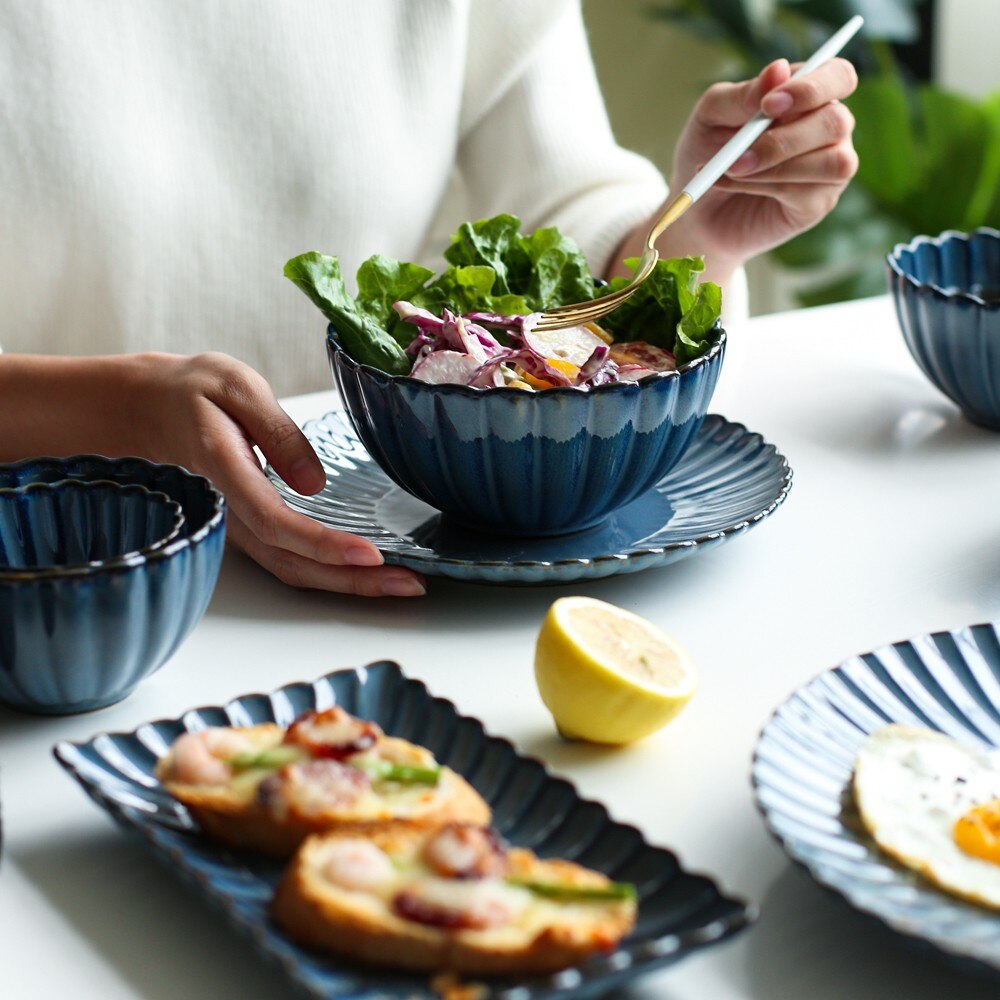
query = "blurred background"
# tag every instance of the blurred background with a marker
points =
(927, 110)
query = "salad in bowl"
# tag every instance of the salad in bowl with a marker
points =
(473, 324)
(506, 428)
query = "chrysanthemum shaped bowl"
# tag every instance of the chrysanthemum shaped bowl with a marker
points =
(804, 763)
(76, 639)
(947, 295)
(513, 461)
(50, 527)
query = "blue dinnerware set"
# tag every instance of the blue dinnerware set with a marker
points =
(947, 295)
(105, 567)
(107, 564)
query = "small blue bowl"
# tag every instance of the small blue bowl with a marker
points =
(517, 462)
(73, 639)
(76, 523)
(947, 295)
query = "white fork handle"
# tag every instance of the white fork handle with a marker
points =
(753, 129)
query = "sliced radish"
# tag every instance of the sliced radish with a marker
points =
(632, 373)
(574, 344)
(445, 366)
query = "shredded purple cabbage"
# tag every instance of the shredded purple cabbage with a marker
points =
(472, 334)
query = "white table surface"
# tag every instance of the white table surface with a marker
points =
(891, 529)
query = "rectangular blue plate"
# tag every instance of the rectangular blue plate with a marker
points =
(679, 912)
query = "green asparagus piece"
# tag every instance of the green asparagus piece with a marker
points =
(556, 890)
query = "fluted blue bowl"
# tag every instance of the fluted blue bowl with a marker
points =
(947, 295)
(513, 461)
(78, 638)
(75, 523)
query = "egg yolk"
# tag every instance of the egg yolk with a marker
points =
(566, 367)
(978, 832)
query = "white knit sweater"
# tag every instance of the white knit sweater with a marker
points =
(161, 159)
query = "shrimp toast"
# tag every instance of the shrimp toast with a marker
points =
(264, 788)
(454, 899)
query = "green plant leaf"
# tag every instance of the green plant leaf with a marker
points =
(544, 268)
(319, 277)
(382, 281)
(869, 280)
(884, 139)
(656, 312)
(856, 229)
(494, 243)
(559, 272)
(695, 325)
(989, 212)
(963, 169)
(892, 20)
(363, 338)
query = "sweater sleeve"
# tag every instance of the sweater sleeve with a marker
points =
(535, 137)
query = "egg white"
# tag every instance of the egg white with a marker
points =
(910, 786)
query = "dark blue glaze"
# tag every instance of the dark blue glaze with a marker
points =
(74, 523)
(728, 480)
(804, 762)
(679, 912)
(76, 640)
(947, 295)
(519, 462)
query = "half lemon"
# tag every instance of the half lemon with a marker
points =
(607, 675)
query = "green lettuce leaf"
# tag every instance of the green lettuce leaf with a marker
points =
(694, 329)
(493, 268)
(362, 336)
(468, 289)
(670, 310)
(494, 243)
(382, 281)
(559, 272)
(544, 268)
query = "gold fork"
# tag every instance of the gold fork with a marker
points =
(560, 317)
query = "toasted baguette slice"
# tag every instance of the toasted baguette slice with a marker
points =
(387, 900)
(272, 809)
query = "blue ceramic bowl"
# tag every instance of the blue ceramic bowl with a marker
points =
(76, 523)
(947, 294)
(527, 463)
(74, 639)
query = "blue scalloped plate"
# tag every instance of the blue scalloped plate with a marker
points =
(728, 481)
(802, 768)
(679, 912)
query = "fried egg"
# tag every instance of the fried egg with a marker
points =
(934, 805)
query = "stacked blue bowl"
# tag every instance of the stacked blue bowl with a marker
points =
(77, 524)
(947, 295)
(82, 635)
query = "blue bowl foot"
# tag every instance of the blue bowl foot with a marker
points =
(73, 708)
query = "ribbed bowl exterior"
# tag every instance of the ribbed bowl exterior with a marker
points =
(75, 640)
(518, 462)
(680, 912)
(804, 762)
(77, 522)
(728, 481)
(952, 331)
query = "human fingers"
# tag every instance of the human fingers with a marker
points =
(246, 396)
(235, 470)
(804, 201)
(227, 399)
(298, 571)
(826, 126)
(835, 164)
(732, 104)
(833, 81)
